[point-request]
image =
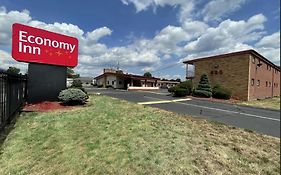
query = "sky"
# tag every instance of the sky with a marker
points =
(148, 35)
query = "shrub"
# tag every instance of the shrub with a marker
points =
(221, 92)
(180, 92)
(186, 85)
(109, 86)
(100, 86)
(202, 93)
(73, 96)
(204, 88)
(172, 89)
(76, 84)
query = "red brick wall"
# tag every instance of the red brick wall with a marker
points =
(266, 80)
(276, 80)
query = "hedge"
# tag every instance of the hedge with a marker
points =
(221, 92)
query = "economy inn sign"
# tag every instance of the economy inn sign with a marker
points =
(35, 45)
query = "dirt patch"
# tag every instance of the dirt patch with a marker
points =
(45, 106)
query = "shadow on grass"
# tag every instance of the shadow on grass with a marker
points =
(8, 128)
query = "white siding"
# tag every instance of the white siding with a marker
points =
(111, 80)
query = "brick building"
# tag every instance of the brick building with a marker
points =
(247, 74)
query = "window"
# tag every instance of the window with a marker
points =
(258, 83)
(216, 72)
(269, 84)
(253, 82)
(266, 84)
(212, 72)
(107, 82)
(112, 82)
(267, 67)
(220, 71)
(120, 82)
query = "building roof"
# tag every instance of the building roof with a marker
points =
(139, 77)
(168, 81)
(252, 52)
(85, 79)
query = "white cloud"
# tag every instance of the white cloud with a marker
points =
(228, 34)
(139, 4)
(190, 39)
(269, 46)
(92, 54)
(216, 9)
(6, 21)
(270, 41)
(7, 61)
(186, 6)
(95, 35)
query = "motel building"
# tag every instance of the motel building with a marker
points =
(248, 74)
(119, 80)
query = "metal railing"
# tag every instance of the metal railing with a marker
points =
(12, 96)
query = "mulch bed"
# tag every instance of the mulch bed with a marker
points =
(232, 101)
(45, 107)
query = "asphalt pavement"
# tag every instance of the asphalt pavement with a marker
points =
(264, 121)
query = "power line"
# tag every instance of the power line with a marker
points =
(167, 67)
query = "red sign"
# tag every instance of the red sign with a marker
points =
(35, 45)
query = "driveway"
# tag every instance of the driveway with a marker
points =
(260, 120)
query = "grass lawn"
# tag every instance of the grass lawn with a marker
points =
(110, 136)
(273, 103)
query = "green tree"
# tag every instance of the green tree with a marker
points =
(13, 70)
(204, 84)
(76, 83)
(147, 74)
(71, 74)
(204, 88)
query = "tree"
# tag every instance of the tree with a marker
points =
(71, 74)
(178, 80)
(147, 74)
(13, 70)
(204, 88)
(76, 83)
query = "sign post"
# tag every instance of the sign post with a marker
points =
(48, 54)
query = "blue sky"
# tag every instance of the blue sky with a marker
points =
(148, 35)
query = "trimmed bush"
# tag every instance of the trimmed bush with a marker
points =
(221, 92)
(180, 92)
(73, 96)
(109, 86)
(202, 93)
(76, 84)
(204, 88)
(186, 85)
